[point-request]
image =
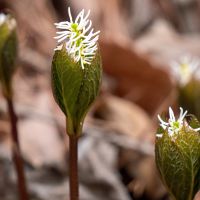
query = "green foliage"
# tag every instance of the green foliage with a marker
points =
(8, 54)
(75, 89)
(178, 162)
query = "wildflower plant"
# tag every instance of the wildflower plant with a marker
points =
(8, 52)
(76, 79)
(177, 154)
(76, 71)
(8, 56)
(187, 79)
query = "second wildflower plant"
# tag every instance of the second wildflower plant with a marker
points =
(8, 56)
(177, 155)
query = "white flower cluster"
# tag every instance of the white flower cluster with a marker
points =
(186, 69)
(174, 127)
(81, 47)
(2, 18)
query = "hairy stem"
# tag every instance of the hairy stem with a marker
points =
(17, 158)
(73, 168)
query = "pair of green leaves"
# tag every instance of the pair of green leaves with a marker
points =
(8, 54)
(178, 162)
(75, 89)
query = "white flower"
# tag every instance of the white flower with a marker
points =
(174, 126)
(186, 69)
(81, 47)
(2, 18)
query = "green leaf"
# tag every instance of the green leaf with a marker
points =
(90, 89)
(67, 79)
(189, 145)
(178, 163)
(75, 89)
(171, 166)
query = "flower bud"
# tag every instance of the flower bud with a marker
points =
(177, 154)
(76, 72)
(8, 52)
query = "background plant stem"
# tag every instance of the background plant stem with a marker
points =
(17, 158)
(73, 168)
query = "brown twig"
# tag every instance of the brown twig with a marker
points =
(73, 168)
(17, 158)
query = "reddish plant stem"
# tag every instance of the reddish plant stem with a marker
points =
(17, 158)
(73, 168)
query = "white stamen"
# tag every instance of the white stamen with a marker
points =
(70, 16)
(81, 45)
(173, 130)
(174, 127)
(197, 129)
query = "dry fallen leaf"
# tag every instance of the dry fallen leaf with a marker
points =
(137, 79)
(126, 118)
(41, 144)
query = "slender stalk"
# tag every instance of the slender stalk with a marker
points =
(17, 158)
(73, 168)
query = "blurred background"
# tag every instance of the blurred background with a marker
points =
(138, 39)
